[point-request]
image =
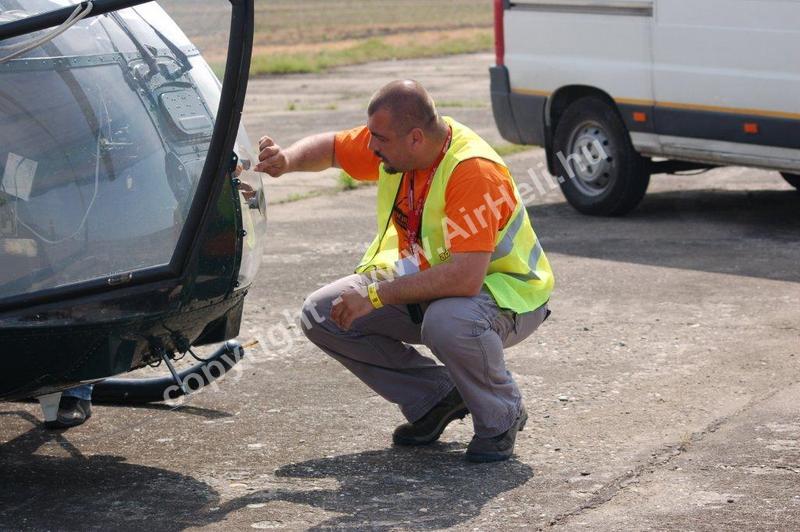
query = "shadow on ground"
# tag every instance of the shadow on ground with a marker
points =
(748, 233)
(428, 488)
(432, 488)
(77, 492)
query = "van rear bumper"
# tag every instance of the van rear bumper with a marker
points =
(519, 117)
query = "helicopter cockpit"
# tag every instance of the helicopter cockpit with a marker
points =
(131, 224)
(104, 133)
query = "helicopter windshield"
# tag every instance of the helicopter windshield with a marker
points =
(104, 131)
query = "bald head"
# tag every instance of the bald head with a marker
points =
(409, 105)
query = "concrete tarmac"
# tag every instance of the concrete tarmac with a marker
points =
(663, 392)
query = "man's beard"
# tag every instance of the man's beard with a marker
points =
(386, 167)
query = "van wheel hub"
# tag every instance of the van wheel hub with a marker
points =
(591, 160)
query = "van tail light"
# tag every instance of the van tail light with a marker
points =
(499, 34)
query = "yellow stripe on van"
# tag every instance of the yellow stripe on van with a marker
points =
(686, 106)
(531, 92)
(732, 110)
(632, 101)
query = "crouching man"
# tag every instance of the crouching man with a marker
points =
(455, 266)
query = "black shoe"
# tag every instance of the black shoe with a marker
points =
(71, 413)
(428, 428)
(499, 447)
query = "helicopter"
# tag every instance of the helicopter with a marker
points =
(131, 224)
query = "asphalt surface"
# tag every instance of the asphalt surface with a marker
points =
(663, 392)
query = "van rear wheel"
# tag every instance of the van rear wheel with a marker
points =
(601, 173)
(792, 179)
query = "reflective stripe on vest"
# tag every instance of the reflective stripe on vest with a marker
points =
(519, 275)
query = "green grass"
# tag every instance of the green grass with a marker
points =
(504, 150)
(315, 35)
(346, 182)
(297, 196)
(293, 106)
(374, 49)
(461, 104)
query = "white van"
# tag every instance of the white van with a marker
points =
(654, 86)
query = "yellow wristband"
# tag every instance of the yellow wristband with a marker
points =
(372, 291)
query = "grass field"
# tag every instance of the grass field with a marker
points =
(311, 35)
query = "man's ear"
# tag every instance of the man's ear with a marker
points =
(417, 136)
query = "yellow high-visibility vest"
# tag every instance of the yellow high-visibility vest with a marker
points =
(519, 275)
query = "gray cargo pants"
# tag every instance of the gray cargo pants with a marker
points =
(467, 334)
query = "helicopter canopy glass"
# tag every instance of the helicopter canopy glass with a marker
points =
(104, 131)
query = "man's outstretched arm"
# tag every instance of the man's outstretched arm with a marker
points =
(309, 154)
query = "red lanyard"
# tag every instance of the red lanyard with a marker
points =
(415, 212)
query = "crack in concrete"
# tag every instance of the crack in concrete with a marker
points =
(753, 467)
(658, 459)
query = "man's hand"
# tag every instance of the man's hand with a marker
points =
(350, 306)
(309, 154)
(272, 159)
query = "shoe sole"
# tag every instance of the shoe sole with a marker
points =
(58, 425)
(482, 458)
(460, 413)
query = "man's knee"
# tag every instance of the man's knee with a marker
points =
(312, 316)
(442, 323)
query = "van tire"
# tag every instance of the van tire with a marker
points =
(607, 186)
(792, 179)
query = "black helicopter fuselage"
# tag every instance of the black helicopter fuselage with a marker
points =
(130, 226)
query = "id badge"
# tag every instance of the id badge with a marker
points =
(406, 266)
